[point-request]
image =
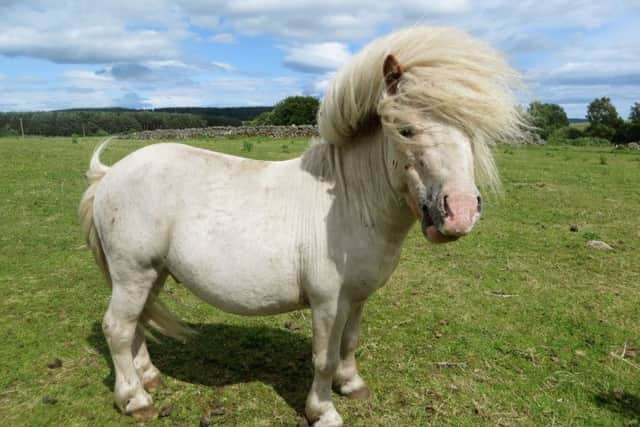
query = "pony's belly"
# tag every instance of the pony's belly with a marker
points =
(241, 298)
(253, 285)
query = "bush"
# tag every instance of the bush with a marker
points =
(247, 146)
(547, 118)
(599, 130)
(264, 119)
(628, 132)
(566, 132)
(6, 130)
(296, 110)
(581, 142)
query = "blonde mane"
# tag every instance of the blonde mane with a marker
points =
(448, 76)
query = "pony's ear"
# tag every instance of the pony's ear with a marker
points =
(392, 71)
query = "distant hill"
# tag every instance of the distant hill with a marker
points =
(211, 114)
(578, 120)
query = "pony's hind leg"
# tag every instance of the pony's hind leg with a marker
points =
(147, 372)
(131, 287)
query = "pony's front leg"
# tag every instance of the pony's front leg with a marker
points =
(346, 380)
(328, 324)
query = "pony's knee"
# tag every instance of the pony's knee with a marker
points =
(325, 363)
(119, 334)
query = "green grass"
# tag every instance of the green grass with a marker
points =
(580, 125)
(528, 315)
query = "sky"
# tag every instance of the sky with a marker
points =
(57, 54)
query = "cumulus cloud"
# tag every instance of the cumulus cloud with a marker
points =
(128, 71)
(79, 35)
(131, 100)
(223, 38)
(91, 79)
(317, 57)
(320, 84)
(223, 66)
(327, 20)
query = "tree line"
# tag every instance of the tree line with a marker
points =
(116, 120)
(294, 110)
(605, 124)
(549, 121)
(85, 123)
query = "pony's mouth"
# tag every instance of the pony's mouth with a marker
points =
(430, 230)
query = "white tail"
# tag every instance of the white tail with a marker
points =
(155, 313)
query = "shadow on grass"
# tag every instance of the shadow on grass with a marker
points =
(625, 404)
(220, 355)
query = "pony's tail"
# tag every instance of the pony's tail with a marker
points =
(155, 314)
(96, 171)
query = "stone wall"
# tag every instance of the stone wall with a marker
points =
(226, 131)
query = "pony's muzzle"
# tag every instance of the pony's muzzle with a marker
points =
(460, 213)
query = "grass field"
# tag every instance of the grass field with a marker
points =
(536, 328)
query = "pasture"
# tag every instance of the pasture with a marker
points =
(519, 323)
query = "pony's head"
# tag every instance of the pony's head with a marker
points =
(439, 97)
(432, 165)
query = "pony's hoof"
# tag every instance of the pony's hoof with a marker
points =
(145, 414)
(355, 388)
(329, 419)
(153, 384)
(361, 393)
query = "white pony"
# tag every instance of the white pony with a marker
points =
(404, 128)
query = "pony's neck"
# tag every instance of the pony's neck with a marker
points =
(362, 185)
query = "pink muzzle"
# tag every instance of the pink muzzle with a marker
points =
(462, 211)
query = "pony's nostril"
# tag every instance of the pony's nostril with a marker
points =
(479, 204)
(447, 208)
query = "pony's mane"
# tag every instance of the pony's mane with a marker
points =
(448, 76)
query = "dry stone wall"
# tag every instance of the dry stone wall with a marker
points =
(226, 131)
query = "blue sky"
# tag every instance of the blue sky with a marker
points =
(161, 53)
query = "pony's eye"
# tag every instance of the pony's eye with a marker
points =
(407, 132)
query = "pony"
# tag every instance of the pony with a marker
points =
(405, 130)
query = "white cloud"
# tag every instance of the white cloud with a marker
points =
(318, 20)
(170, 63)
(171, 100)
(83, 78)
(218, 65)
(115, 31)
(321, 84)
(222, 38)
(317, 57)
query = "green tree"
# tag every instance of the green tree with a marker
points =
(296, 110)
(634, 115)
(263, 119)
(630, 130)
(547, 117)
(602, 112)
